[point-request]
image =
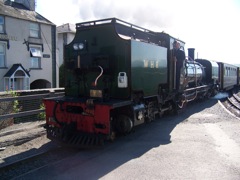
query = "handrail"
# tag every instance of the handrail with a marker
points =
(112, 21)
(28, 97)
(29, 104)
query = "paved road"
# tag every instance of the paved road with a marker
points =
(201, 143)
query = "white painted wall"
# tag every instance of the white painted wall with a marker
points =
(17, 30)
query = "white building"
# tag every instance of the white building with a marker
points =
(65, 35)
(27, 47)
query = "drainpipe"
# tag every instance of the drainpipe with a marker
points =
(54, 64)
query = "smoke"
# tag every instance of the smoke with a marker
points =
(152, 15)
(221, 96)
(199, 23)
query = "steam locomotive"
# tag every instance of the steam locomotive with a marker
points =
(119, 75)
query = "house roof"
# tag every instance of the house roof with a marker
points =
(14, 68)
(18, 11)
(66, 28)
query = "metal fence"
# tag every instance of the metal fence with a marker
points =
(24, 106)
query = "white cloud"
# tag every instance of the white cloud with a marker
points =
(211, 27)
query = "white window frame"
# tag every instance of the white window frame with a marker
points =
(35, 52)
(2, 24)
(35, 56)
(3, 55)
(34, 30)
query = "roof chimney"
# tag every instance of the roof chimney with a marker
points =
(29, 4)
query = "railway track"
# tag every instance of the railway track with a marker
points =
(16, 163)
(39, 160)
(54, 154)
(232, 104)
(17, 137)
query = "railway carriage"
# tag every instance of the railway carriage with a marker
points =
(228, 76)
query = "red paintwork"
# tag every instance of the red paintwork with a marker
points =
(86, 122)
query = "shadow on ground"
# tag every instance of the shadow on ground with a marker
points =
(96, 163)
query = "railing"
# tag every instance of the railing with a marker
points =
(22, 106)
(114, 21)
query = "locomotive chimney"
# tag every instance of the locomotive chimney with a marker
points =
(191, 54)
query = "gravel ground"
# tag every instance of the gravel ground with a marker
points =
(200, 143)
(21, 140)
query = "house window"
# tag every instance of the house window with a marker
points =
(35, 54)
(1, 24)
(2, 54)
(34, 30)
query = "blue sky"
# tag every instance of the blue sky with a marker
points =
(212, 27)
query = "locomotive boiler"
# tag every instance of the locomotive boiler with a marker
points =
(118, 76)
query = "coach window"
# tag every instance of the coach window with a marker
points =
(2, 55)
(35, 54)
(234, 72)
(34, 30)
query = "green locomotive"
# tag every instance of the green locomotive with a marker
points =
(117, 76)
